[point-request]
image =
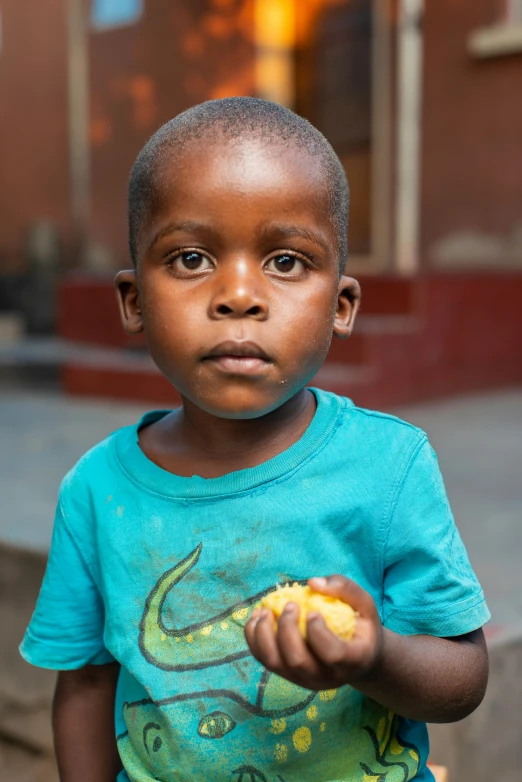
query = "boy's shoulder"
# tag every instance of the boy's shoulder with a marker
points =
(375, 419)
(379, 426)
(97, 461)
(370, 442)
(374, 445)
(101, 462)
(105, 455)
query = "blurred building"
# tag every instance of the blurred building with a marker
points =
(420, 100)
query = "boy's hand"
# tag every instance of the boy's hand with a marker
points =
(323, 661)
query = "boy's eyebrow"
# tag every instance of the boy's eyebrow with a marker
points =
(186, 225)
(281, 231)
(291, 231)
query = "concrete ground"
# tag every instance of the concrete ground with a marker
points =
(478, 440)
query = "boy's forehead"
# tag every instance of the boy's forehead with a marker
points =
(246, 167)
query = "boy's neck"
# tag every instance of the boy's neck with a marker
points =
(190, 441)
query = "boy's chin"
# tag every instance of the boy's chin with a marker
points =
(242, 404)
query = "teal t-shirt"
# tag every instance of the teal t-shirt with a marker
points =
(161, 573)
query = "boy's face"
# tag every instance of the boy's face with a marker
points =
(237, 287)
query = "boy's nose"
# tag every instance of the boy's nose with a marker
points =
(239, 296)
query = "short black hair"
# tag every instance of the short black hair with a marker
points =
(234, 119)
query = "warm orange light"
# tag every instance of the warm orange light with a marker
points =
(275, 33)
(275, 23)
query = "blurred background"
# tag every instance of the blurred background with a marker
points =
(421, 100)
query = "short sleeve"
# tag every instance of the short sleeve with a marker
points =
(429, 585)
(66, 630)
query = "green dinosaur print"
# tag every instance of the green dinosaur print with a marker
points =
(218, 733)
(213, 641)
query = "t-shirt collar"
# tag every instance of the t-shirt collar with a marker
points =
(153, 478)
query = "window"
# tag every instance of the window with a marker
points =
(106, 14)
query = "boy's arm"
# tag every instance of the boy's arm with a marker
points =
(429, 679)
(83, 723)
(419, 677)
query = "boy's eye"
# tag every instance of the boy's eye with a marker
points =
(285, 264)
(191, 260)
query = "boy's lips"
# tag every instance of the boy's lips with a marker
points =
(245, 358)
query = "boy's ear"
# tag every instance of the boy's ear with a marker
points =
(126, 283)
(348, 300)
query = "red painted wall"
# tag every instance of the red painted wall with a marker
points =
(472, 127)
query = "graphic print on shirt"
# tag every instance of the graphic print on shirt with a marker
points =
(272, 737)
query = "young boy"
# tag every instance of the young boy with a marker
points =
(169, 532)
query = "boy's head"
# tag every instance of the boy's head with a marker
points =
(238, 214)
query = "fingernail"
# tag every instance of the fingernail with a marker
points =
(290, 608)
(320, 582)
(255, 613)
(312, 616)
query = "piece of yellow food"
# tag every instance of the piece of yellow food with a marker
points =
(338, 616)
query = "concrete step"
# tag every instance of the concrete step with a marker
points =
(41, 361)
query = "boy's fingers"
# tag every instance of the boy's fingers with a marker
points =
(264, 641)
(350, 658)
(346, 590)
(250, 630)
(327, 647)
(292, 647)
